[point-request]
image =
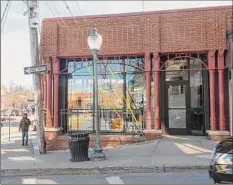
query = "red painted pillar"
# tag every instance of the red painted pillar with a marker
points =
(222, 119)
(156, 70)
(211, 65)
(49, 97)
(56, 91)
(148, 91)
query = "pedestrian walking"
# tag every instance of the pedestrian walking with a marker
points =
(24, 128)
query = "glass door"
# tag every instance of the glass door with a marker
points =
(177, 108)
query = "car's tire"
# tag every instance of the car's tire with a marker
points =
(216, 181)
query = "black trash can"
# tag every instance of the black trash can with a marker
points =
(79, 144)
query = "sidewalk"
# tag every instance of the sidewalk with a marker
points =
(167, 154)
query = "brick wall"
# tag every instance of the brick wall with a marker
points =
(161, 31)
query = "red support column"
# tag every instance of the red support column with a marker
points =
(222, 119)
(148, 91)
(156, 70)
(56, 91)
(211, 65)
(49, 97)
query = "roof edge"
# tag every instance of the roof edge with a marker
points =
(138, 13)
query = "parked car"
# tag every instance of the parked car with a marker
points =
(221, 165)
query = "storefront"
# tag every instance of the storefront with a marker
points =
(155, 75)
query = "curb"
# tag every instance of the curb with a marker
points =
(100, 170)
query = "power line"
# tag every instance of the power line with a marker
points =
(81, 12)
(50, 9)
(7, 11)
(69, 11)
(54, 7)
(24, 2)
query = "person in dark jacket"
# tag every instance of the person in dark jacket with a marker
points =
(24, 127)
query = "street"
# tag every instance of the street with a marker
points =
(145, 178)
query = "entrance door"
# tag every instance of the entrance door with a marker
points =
(177, 108)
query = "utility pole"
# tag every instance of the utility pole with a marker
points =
(32, 6)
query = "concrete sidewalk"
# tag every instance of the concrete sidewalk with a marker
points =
(171, 153)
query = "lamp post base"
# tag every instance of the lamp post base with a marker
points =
(98, 155)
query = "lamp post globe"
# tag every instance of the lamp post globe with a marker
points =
(94, 40)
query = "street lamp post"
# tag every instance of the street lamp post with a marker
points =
(94, 42)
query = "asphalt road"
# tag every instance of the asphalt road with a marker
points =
(146, 178)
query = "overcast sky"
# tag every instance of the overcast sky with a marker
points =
(15, 45)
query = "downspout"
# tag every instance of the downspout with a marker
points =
(230, 78)
(52, 92)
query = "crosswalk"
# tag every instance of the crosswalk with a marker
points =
(114, 180)
(35, 180)
(29, 181)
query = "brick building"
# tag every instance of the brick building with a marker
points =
(177, 55)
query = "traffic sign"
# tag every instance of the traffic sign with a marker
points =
(35, 69)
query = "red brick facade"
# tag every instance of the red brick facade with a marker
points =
(173, 31)
(201, 29)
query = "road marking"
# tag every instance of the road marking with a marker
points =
(29, 181)
(114, 180)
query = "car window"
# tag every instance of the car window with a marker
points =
(225, 146)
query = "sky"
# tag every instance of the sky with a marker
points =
(15, 44)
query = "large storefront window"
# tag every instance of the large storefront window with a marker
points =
(121, 88)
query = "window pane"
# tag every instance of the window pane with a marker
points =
(174, 70)
(176, 96)
(196, 84)
(177, 118)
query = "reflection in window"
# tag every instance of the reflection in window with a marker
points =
(79, 102)
(174, 70)
(111, 91)
(196, 84)
(176, 96)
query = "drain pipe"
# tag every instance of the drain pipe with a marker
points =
(230, 78)
(231, 103)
